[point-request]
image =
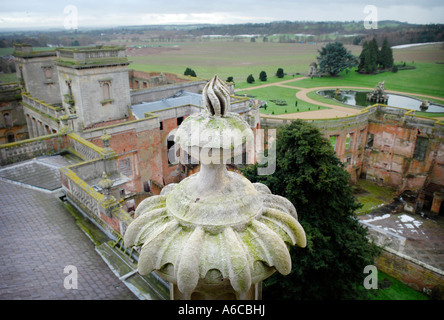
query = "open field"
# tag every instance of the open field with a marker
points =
(237, 59)
(241, 58)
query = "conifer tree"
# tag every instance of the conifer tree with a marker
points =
(371, 57)
(386, 55)
(368, 59)
(280, 73)
(263, 76)
(335, 58)
(250, 79)
(309, 174)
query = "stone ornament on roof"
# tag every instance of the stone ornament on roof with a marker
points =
(215, 235)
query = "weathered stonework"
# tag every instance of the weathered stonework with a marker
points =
(215, 234)
(12, 119)
(96, 79)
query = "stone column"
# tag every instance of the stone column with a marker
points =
(30, 127)
(215, 235)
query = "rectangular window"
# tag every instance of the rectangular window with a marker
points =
(333, 142)
(420, 148)
(348, 141)
(361, 134)
(47, 70)
(370, 139)
(171, 150)
(147, 186)
(105, 89)
(48, 74)
(125, 167)
(105, 85)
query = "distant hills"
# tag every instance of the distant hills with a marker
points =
(349, 32)
(353, 32)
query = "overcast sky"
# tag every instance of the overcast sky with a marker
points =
(58, 14)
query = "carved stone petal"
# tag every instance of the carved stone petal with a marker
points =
(261, 188)
(151, 251)
(274, 250)
(279, 203)
(167, 189)
(286, 226)
(149, 204)
(238, 266)
(134, 235)
(188, 266)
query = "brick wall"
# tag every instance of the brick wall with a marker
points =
(415, 274)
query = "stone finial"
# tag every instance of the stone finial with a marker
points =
(106, 139)
(106, 185)
(215, 234)
(216, 97)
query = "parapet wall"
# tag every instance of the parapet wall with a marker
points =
(31, 148)
(416, 274)
(107, 212)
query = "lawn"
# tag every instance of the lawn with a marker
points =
(392, 289)
(371, 195)
(239, 59)
(426, 78)
(271, 78)
(230, 58)
(272, 95)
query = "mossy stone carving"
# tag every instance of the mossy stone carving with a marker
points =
(215, 234)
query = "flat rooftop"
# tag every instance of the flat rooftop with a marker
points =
(40, 173)
(180, 99)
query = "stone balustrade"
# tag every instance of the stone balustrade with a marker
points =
(41, 106)
(106, 212)
(83, 148)
(30, 148)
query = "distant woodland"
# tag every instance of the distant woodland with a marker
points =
(281, 31)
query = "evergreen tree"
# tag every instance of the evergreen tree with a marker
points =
(374, 53)
(371, 57)
(309, 174)
(263, 76)
(190, 72)
(386, 55)
(335, 58)
(368, 57)
(250, 79)
(280, 73)
(362, 56)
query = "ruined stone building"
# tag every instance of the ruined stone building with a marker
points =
(392, 147)
(117, 127)
(80, 100)
(86, 102)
